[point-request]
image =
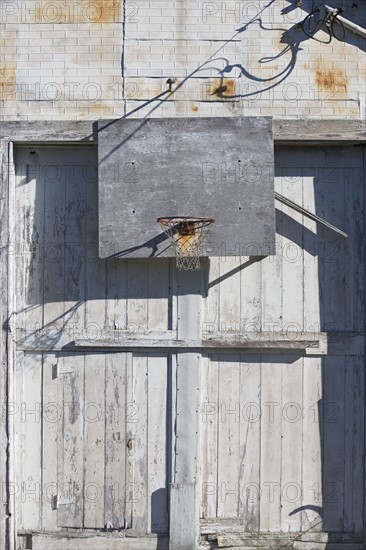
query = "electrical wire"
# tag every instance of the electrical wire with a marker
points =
(311, 25)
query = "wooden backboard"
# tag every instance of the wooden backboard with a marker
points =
(217, 167)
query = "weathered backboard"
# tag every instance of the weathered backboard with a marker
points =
(217, 167)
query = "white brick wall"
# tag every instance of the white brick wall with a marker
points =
(69, 59)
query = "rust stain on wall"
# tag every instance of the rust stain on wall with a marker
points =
(223, 87)
(194, 108)
(83, 11)
(331, 79)
(7, 78)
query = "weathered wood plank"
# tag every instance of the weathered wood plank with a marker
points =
(31, 411)
(229, 304)
(358, 452)
(329, 131)
(137, 292)
(156, 444)
(98, 542)
(158, 292)
(298, 545)
(229, 458)
(270, 504)
(291, 443)
(311, 343)
(331, 256)
(94, 440)
(250, 295)
(272, 282)
(8, 465)
(311, 283)
(54, 230)
(30, 217)
(140, 445)
(211, 293)
(250, 413)
(189, 309)
(95, 276)
(115, 440)
(75, 259)
(209, 421)
(182, 505)
(333, 459)
(116, 293)
(291, 228)
(312, 501)
(295, 132)
(132, 419)
(72, 442)
(51, 432)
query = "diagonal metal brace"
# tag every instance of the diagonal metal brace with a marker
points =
(308, 214)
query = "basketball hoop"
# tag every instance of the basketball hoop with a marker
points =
(186, 235)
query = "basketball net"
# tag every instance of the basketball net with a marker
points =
(186, 236)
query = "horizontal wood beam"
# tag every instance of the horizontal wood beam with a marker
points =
(191, 345)
(102, 541)
(309, 343)
(299, 132)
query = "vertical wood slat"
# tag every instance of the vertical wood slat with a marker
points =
(354, 255)
(159, 294)
(209, 421)
(31, 192)
(312, 445)
(115, 440)
(271, 425)
(72, 441)
(229, 304)
(31, 418)
(75, 261)
(291, 440)
(15, 410)
(182, 503)
(229, 458)
(116, 294)
(271, 287)
(292, 254)
(211, 308)
(358, 449)
(350, 405)
(156, 444)
(332, 297)
(52, 410)
(250, 302)
(8, 388)
(131, 426)
(334, 441)
(54, 231)
(137, 281)
(95, 269)
(250, 415)
(189, 319)
(94, 440)
(139, 444)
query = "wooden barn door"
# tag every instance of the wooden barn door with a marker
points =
(270, 442)
(93, 425)
(282, 434)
